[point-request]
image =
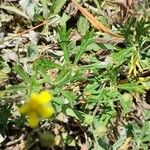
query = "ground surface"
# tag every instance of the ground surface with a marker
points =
(93, 56)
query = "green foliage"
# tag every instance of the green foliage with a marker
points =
(57, 5)
(141, 135)
(82, 25)
(64, 43)
(87, 40)
(42, 65)
(96, 86)
(6, 111)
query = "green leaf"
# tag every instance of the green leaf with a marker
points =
(24, 3)
(101, 131)
(146, 138)
(64, 43)
(32, 51)
(57, 5)
(83, 25)
(59, 102)
(86, 40)
(30, 10)
(68, 140)
(147, 114)
(118, 143)
(46, 139)
(71, 113)
(107, 46)
(45, 64)
(5, 112)
(126, 102)
(68, 94)
(121, 56)
(45, 8)
(64, 19)
(88, 119)
(76, 114)
(132, 87)
(19, 70)
(145, 131)
(63, 77)
(93, 46)
(3, 77)
(90, 88)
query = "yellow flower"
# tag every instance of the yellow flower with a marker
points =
(37, 107)
(33, 120)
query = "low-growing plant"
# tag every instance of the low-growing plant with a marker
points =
(85, 92)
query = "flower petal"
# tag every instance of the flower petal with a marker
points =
(45, 112)
(24, 109)
(33, 97)
(44, 97)
(33, 120)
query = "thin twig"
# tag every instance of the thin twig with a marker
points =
(28, 30)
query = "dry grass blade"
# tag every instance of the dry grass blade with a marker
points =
(98, 25)
(14, 10)
(26, 31)
(130, 3)
(35, 27)
(83, 147)
(125, 146)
